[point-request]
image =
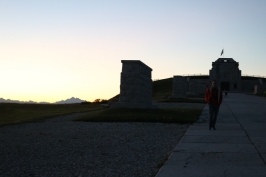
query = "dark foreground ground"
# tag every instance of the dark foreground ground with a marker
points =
(61, 147)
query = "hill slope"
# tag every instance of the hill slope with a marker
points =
(161, 89)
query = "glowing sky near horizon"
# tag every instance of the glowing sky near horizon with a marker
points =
(54, 50)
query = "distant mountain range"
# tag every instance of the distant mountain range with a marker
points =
(70, 100)
(67, 101)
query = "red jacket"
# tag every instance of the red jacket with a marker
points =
(213, 95)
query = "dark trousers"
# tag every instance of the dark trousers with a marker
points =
(213, 111)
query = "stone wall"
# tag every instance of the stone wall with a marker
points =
(198, 86)
(180, 87)
(136, 86)
(248, 86)
(193, 88)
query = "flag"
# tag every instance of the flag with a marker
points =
(222, 52)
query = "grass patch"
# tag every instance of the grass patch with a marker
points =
(196, 96)
(12, 113)
(143, 115)
(161, 89)
(184, 100)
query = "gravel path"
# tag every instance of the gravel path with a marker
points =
(61, 147)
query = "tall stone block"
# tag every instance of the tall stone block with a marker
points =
(180, 87)
(136, 86)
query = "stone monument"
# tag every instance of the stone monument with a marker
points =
(136, 86)
(226, 73)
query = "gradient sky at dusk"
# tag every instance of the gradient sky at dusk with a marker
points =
(55, 49)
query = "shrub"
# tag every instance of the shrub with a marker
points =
(101, 101)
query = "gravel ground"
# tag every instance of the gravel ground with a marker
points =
(61, 147)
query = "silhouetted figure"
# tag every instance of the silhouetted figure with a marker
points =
(225, 93)
(214, 98)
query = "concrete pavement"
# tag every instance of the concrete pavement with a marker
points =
(236, 149)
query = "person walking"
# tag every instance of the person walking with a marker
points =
(214, 98)
(225, 93)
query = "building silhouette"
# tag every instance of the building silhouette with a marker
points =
(227, 74)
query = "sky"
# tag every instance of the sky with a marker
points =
(53, 50)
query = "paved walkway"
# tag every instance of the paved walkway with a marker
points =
(236, 149)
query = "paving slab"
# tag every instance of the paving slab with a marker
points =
(214, 139)
(263, 155)
(211, 171)
(254, 126)
(258, 139)
(218, 132)
(251, 120)
(214, 159)
(256, 133)
(218, 127)
(215, 147)
(236, 148)
(261, 147)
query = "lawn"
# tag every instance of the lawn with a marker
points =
(184, 100)
(11, 113)
(181, 115)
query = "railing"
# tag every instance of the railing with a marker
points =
(246, 75)
(187, 75)
(196, 74)
(253, 76)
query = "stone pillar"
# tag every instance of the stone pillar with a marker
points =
(179, 87)
(136, 86)
(260, 88)
(261, 81)
(256, 89)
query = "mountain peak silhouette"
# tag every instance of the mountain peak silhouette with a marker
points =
(70, 100)
(67, 101)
